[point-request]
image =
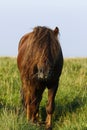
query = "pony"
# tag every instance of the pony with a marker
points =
(40, 63)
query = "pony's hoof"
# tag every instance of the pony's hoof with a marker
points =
(49, 128)
(41, 123)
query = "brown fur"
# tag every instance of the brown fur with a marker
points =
(40, 64)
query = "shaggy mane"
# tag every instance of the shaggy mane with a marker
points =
(41, 44)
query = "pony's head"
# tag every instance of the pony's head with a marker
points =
(42, 53)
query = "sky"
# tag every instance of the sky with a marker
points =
(18, 17)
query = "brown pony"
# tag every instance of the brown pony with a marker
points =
(40, 63)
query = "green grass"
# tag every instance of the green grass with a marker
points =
(71, 98)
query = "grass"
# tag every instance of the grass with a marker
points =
(71, 98)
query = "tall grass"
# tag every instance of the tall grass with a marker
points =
(71, 98)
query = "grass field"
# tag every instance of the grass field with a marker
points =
(71, 98)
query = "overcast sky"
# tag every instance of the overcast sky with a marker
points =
(18, 17)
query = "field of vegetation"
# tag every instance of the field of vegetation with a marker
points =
(71, 98)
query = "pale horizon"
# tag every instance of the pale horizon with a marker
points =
(19, 17)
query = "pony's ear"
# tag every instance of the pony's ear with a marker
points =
(56, 31)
